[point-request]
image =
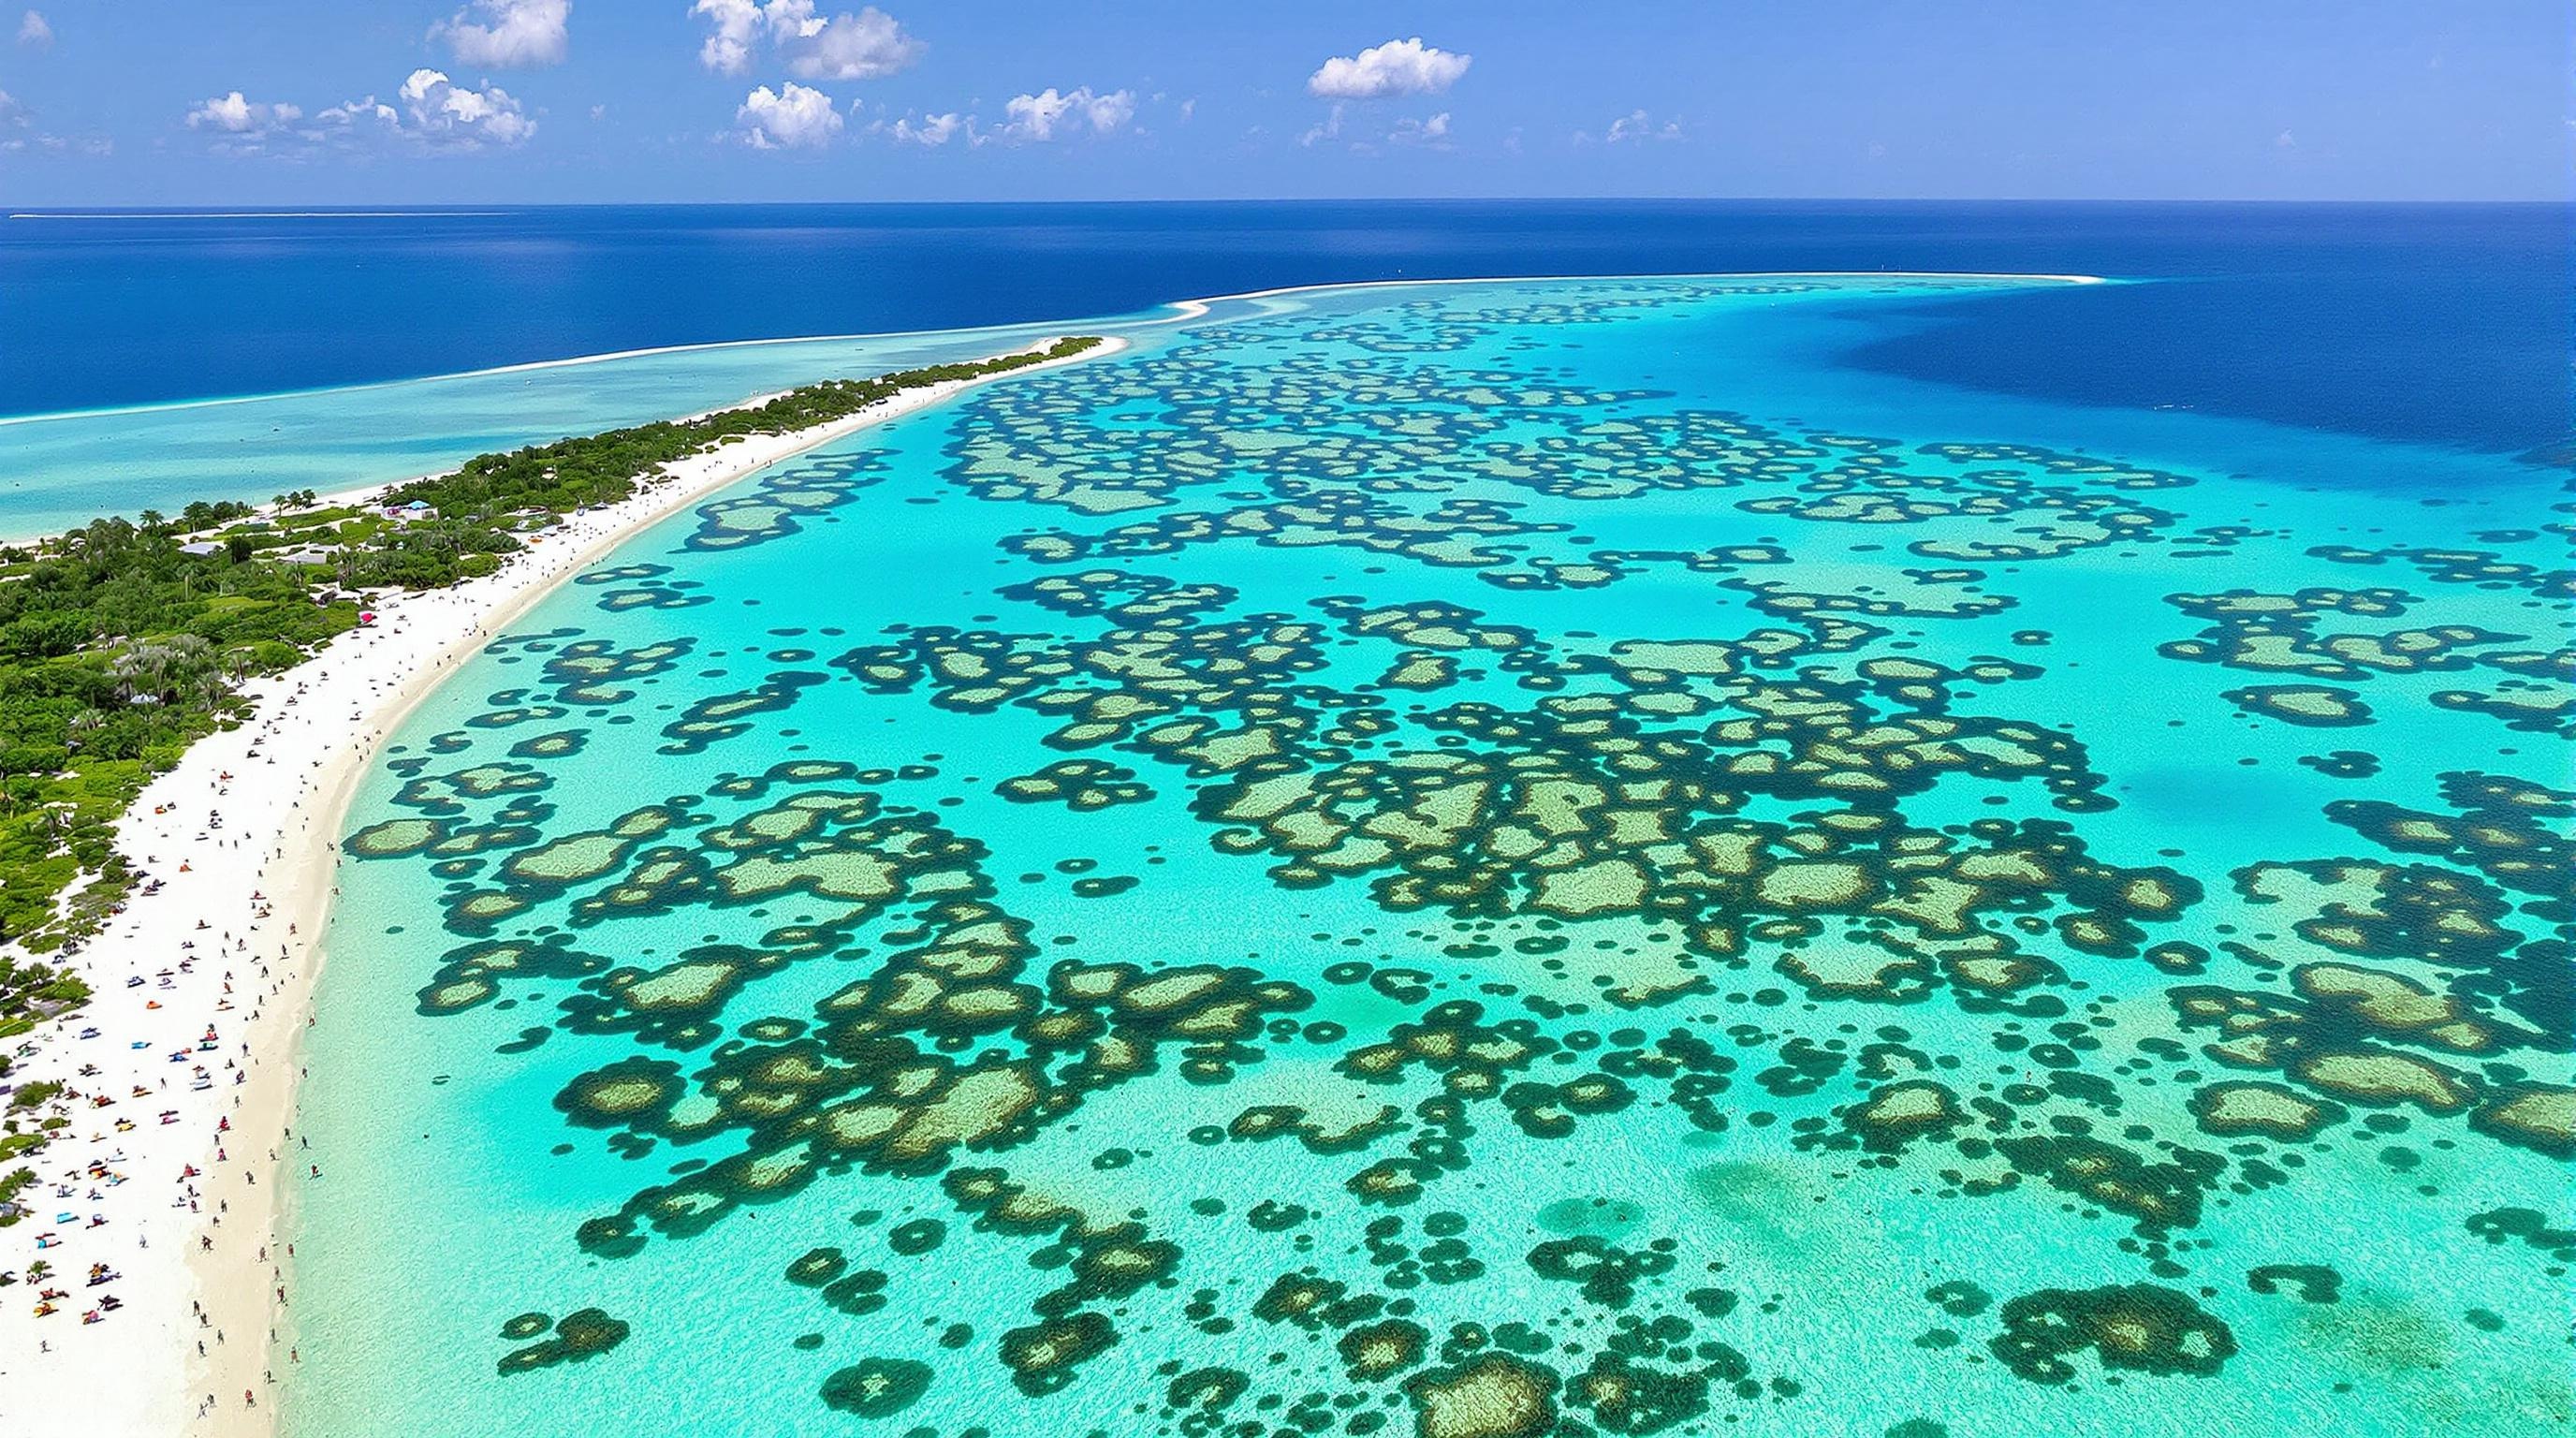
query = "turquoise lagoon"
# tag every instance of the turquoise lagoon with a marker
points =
(58, 471)
(1479, 860)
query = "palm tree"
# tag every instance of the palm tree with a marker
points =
(158, 668)
(138, 671)
(82, 725)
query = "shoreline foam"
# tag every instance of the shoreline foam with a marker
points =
(136, 1371)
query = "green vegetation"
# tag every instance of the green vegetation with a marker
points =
(29, 992)
(117, 650)
(479, 508)
(123, 642)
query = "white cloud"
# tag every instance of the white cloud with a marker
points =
(241, 126)
(92, 145)
(32, 30)
(1038, 117)
(928, 130)
(866, 46)
(435, 113)
(1398, 67)
(1430, 134)
(444, 112)
(18, 135)
(507, 32)
(230, 114)
(1638, 125)
(351, 118)
(793, 117)
(737, 22)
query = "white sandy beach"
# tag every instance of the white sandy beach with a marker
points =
(181, 1139)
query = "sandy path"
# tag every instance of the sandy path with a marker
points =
(243, 836)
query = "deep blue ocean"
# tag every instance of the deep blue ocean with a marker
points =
(2439, 324)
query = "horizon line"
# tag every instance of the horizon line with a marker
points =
(443, 209)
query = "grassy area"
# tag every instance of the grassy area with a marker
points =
(125, 641)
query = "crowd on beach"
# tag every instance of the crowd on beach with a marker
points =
(154, 1207)
(161, 1187)
(158, 1064)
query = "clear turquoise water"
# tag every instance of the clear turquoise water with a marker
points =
(1659, 893)
(59, 471)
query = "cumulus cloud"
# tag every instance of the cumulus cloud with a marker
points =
(11, 111)
(436, 114)
(1042, 116)
(737, 27)
(506, 33)
(241, 126)
(231, 114)
(429, 112)
(1637, 125)
(793, 117)
(932, 130)
(33, 31)
(1398, 67)
(866, 46)
(440, 111)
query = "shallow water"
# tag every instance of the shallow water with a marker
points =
(61, 471)
(1484, 859)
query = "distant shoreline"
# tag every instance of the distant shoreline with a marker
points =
(1179, 310)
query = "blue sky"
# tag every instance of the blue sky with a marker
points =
(187, 102)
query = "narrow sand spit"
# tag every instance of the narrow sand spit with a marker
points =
(204, 990)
